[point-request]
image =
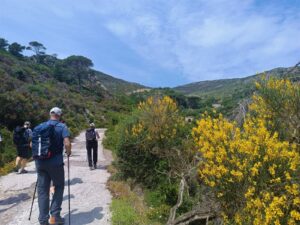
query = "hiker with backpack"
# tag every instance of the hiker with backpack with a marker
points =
(48, 142)
(21, 138)
(92, 137)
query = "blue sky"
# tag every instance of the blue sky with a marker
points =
(162, 42)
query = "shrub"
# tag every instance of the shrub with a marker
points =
(123, 213)
(127, 207)
(150, 141)
(7, 148)
(253, 170)
(278, 101)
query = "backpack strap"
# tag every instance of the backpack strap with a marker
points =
(57, 122)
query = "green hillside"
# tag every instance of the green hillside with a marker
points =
(29, 88)
(115, 85)
(226, 94)
(31, 85)
(227, 87)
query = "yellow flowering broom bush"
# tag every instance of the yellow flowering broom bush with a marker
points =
(278, 101)
(150, 140)
(159, 119)
(253, 173)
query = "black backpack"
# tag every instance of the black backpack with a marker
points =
(19, 136)
(90, 135)
(42, 141)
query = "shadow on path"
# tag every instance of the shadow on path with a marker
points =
(74, 181)
(85, 217)
(15, 200)
(28, 172)
(102, 167)
(66, 197)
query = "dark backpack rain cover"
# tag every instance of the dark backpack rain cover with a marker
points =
(90, 135)
(42, 141)
(19, 136)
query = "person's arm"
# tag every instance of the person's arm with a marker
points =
(68, 145)
(97, 135)
(67, 141)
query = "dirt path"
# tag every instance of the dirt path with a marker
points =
(90, 198)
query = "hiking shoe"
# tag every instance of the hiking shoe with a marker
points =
(22, 171)
(57, 220)
(16, 169)
(95, 166)
(91, 168)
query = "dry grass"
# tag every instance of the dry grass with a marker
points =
(7, 168)
(128, 205)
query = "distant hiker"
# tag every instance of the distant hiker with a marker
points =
(22, 137)
(48, 141)
(92, 137)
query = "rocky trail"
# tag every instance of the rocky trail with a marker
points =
(90, 198)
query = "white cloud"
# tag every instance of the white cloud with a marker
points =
(203, 39)
(210, 39)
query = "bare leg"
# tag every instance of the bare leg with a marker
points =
(18, 161)
(23, 164)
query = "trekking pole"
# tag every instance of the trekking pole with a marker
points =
(32, 201)
(69, 197)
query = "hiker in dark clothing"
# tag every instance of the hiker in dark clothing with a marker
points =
(51, 167)
(92, 137)
(22, 137)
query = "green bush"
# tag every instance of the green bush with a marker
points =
(123, 213)
(152, 146)
(7, 148)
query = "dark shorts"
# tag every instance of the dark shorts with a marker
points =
(23, 152)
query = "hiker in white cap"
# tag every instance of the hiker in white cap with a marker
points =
(48, 142)
(92, 137)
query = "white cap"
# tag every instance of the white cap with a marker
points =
(92, 125)
(56, 111)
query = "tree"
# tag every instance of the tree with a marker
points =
(78, 66)
(37, 48)
(50, 60)
(3, 44)
(16, 49)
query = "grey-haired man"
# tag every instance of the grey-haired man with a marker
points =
(52, 169)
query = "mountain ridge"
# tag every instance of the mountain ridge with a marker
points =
(215, 87)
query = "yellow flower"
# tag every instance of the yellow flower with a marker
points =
(295, 215)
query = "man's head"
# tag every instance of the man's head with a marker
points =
(55, 113)
(92, 125)
(27, 124)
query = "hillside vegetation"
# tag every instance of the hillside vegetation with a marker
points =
(169, 170)
(227, 94)
(239, 173)
(31, 85)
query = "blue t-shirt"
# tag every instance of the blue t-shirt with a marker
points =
(61, 132)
